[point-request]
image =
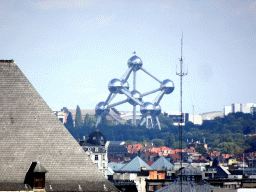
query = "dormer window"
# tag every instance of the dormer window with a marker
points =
(35, 176)
(96, 149)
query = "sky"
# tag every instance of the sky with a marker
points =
(70, 49)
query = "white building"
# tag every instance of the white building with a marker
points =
(238, 107)
(96, 147)
(196, 119)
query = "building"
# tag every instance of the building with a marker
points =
(37, 151)
(211, 115)
(175, 116)
(196, 119)
(136, 170)
(238, 107)
(162, 164)
(189, 180)
(96, 146)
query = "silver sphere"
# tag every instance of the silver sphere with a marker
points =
(125, 84)
(157, 110)
(147, 108)
(115, 85)
(135, 62)
(168, 86)
(135, 94)
(101, 108)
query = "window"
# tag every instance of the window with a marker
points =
(96, 157)
(104, 165)
(39, 181)
(96, 149)
(103, 157)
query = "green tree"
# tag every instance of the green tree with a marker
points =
(88, 121)
(69, 123)
(78, 120)
(158, 142)
(200, 149)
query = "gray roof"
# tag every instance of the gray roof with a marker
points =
(135, 165)
(31, 132)
(39, 168)
(161, 163)
(187, 186)
(190, 184)
(190, 170)
(116, 166)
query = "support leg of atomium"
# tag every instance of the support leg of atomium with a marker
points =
(158, 123)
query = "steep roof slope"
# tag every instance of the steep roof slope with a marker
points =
(161, 163)
(30, 132)
(135, 165)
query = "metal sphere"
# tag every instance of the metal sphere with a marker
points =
(135, 62)
(135, 94)
(101, 108)
(147, 108)
(115, 85)
(168, 86)
(125, 84)
(157, 110)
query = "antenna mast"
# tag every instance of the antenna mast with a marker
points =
(181, 74)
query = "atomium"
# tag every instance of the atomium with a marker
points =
(149, 110)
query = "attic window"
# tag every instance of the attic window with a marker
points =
(94, 138)
(35, 176)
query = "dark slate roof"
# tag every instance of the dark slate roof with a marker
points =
(96, 138)
(135, 165)
(161, 163)
(31, 132)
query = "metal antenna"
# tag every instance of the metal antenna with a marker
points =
(181, 74)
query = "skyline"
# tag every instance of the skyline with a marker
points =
(70, 50)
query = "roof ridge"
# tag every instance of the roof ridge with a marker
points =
(31, 132)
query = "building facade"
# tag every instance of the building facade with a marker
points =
(96, 147)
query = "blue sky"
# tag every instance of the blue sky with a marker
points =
(71, 49)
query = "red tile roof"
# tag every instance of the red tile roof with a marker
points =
(149, 162)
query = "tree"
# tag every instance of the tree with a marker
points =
(78, 120)
(88, 121)
(158, 142)
(69, 123)
(200, 149)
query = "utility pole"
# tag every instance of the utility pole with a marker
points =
(181, 74)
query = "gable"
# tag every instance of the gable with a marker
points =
(31, 132)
